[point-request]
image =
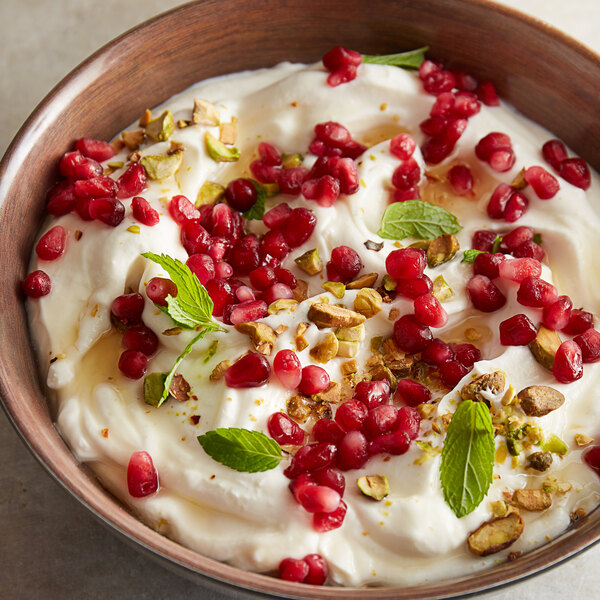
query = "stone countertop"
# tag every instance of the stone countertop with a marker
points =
(51, 546)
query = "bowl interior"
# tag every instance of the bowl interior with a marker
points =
(548, 77)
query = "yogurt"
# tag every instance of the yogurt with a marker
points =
(251, 520)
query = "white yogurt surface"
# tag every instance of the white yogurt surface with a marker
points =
(252, 520)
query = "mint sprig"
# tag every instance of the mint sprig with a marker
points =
(241, 449)
(467, 463)
(416, 218)
(407, 60)
(470, 255)
(257, 212)
(496, 244)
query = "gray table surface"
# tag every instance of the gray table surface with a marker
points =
(50, 546)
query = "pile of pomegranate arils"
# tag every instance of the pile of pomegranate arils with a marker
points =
(243, 275)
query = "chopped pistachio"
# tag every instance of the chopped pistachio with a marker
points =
(499, 508)
(154, 384)
(133, 139)
(496, 535)
(426, 410)
(182, 123)
(301, 290)
(368, 302)
(556, 445)
(162, 167)
(491, 382)
(332, 394)
(219, 370)
(205, 113)
(334, 287)
(261, 335)
(389, 283)
(326, 349)
(299, 408)
(376, 343)
(519, 182)
(209, 193)
(374, 486)
(442, 249)
(375, 246)
(271, 189)
(564, 487)
(539, 400)
(228, 132)
(550, 485)
(145, 118)
(347, 349)
(134, 229)
(161, 128)
(421, 244)
(351, 334)
(349, 368)
(532, 500)
(289, 161)
(180, 388)
(472, 334)
(282, 304)
(583, 440)
(325, 315)
(300, 340)
(364, 281)
(115, 164)
(218, 151)
(540, 461)
(544, 346)
(310, 262)
(117, 145)
(441, 290)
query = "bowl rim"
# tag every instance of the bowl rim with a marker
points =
(185, 560)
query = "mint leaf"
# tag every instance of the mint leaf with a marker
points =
(257, 212)
(468, 457)
(537, 238)
(470, 255)
(416, 218)
(192, 307)
(407, 60)
(241, 449)
(496, 244)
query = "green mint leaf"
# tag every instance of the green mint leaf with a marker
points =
(192, 307)
(467, 463)
(470, 255)
(537, 238)
(407, 60)
(416, 218)
(241, 449)
(257, 212)
(496, 244)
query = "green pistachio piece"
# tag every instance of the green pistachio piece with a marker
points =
(218, 151)
(161, 129)
(347, 349)
(282, 304)
(326, 349)
(209, 193)
(364, 281)
(374, 486)
(556, 445)
(115, 164)
(389, 283)
(134, 229)
(441, 290)
(271, 189)
(162, 167)
(291, 160)
(442, 249)
(368, 302)
(154, 384)
(351, 334)
(310, 262)
(544, 346)
(336, 288)
(205, 113)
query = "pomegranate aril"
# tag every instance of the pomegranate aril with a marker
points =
(241, 194)
(318, 569)
(433, 126)
(194, 238)
(287, 368)
(274, 243)
(159, 288)
(314, 380)
(536, 292)
(556, 315)
(283, 430)
(406, 175)
(443, 105)
(404, 195)
(321, 149)
(437, 352)
(517, 331)
(592, 458)
(429, 311)
(554, 152)
(352, 451)
(333, 275)
(346, 262)
(409, 421)
(353, 150)
(132, 363)
(515, 238)
(291, 569)
(344, 170)
(485, 294)
(61, 199)
(395, 443)
(218, 248)
(330, 477)
(143, 212)
(464, 81)
(36, 284)
(108, 210)
(290, 180)
(301, 481)
(132, 182)
(251, 310)
(410, 335)
(427, 68)
(220, 293)
(403, 146)
(502, 160)
(142, 478)
(319, 498)
(310, 458)
(576, 172)
(269, 154)
(406, 263)
(332, 134)
(244, 255)
(529, 249)
(278, 291)
(327, 430)
(589, 342)
(339, 58)
(518, 269)
(223, 270)
(380, 420)
(52, 244)
(436, 149)
(466, 104)
(75, 166)
(223, 224)
(252, 370)
(543, 183)
(287, 277)
(412, 393)
(351, 415)
(579, 321)
(568, 362)
(413, 288)
(516, 207)
(466, 354)
(452, 372)
(262, 277)
(324, 190)
(483, 240)
(492, 142)
(372, 393)
(488, 264)
(486, 92)
(128, 308)
(438, 82)
(182, 210)
(202, 266)
(97, 150)
(277, 216)
(323, 522)
(140, 338)
(299, 227)
(499, 199)
(96, 187)
(461, 180)
(263, 172)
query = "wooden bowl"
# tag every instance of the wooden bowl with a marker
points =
(547, 76)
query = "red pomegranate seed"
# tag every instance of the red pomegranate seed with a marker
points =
(438, 82)
(543, 183)
(291, 569)
(492, 142)
(433, 126)
(380, 420)
(346, 262)
(140, 338)
(483, 240)
(345, 171)
(467, 354)
(263, 172)
(75, 166)
(142, 478)
(244, 294)
(579, 321)
(324, 190)
(429, 311)
(314, 380)
(536, 292)
(516, 207)
(403, 146)
(412, 393)
(269, 154)
(283, 430)
(568, 362)
(278, 291)
(241, 194)
(452, 372)
(517, 237)
(128, 308)
(132, 182)
(321, 149)
(437, 352)
(108, 210)
(406, 175)
(323, 522)
(333, 134)
(319, 499)
(410, 335)
(499, 199)
(132, 364)
(413, 288)
(318, 570)
(287, 277)
(288, 369)
(252, 370)
(436, 149)
(589, 342)
(61, 199)
(277, 216)
(404, 195)
(262, 278)
(554, 152)
(206, 211)
(486, 92)
(502, 160)
(529, 249)
(488, 264)
(351, 415)
(453, 131)
(461, 180)
(216, 248)
(427, 68)
(274, 243)
(327, 430)
(352, 451)
(97, 150)
(464, 81)
(592, 458)
(517, 331)
(182, 210)
(576, 172)
(372, 393)
(202, 266)
(310, 458)
(52, 244)
(194, 238)
(406, 263)
(331, 478)
(299, 227)
(485, 294)
(466, 104)
(244, 255)
(395, 443)
(223, 270)
(556, 315)
(342, 76)
(220, 293)
(409, 421)
(339, 58)
(223, 224)
(518, 269)
(96, 187)
(143, 212)
(443, 105)
(290, 180)
(159, 288)
(36, 284)
(252, 310)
